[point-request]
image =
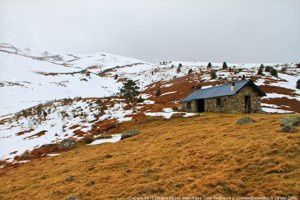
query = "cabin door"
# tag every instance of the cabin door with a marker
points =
(201, 105)
(247, 104)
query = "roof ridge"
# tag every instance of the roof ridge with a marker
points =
(223, 84)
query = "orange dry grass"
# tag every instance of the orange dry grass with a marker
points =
(204, 155)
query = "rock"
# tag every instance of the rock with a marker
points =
(177, 115)
(67, 144)
(288, 128)
(128, 134)
(90, 183)
(108, 156)
(91, 168)
(72, 198)
(148, 171)
(244, 120)
(70, 178)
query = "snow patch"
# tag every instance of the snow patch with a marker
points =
(115, 138)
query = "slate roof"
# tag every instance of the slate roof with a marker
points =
(222, 90)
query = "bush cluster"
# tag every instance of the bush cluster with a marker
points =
(288, 123)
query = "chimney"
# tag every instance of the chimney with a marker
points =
(233, 86)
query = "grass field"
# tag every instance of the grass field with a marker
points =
(200, 156)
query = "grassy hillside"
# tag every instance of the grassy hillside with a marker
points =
(204, 155)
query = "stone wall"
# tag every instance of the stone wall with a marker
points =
(230, 104)
(193, 106)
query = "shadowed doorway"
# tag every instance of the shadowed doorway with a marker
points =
(247, 104)
(201, 105)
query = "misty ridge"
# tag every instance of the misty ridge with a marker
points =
(216, 31)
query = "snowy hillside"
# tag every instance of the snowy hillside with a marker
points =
(27, 80)
(46, 97)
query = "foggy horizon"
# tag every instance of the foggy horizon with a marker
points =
(234, 31)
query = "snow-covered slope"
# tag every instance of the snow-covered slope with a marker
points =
(34, 85)
(31, 77)
(27, 80)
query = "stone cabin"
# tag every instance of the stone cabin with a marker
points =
(235, 97)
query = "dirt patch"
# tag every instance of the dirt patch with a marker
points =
(284, 103)
(23, 132)
(103, 126)
(80, 133)
(278, 90)
(74, 126)
(39, 134)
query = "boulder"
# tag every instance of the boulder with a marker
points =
(70, 178)
(90, 183)
(177, 115)
(245, 120)
(128, 134)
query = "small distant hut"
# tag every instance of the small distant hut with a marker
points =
(234, 97)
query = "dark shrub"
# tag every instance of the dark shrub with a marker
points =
(140, 100)
(178, 69)
(224, 65)
(213, 74)
(274, 72)
(209, 65)
(268, 69)
(190, 71)
(262, 66)
(260, 70)
(158, 93)
(298, 84)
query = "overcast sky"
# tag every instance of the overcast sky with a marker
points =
(156, 30)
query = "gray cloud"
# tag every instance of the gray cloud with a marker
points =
(202, 30)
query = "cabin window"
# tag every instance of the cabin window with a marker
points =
(188, 105)
(218, 102)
